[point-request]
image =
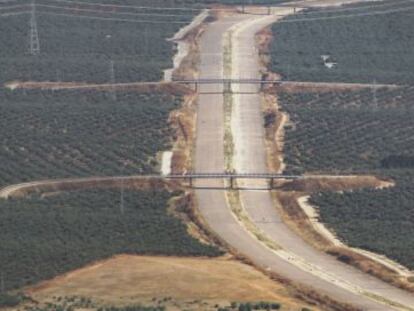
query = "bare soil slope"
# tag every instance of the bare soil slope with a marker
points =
(135, 279)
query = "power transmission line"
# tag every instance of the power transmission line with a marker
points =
(14, 13)
(182, 22)
(364, 14)
(200, 8)
(114, 18)
(293, 20)
(322, 10)
(34, 36)
(19, 6)
(385, 12)
(95, 4)
(129, 6)
(107, 12)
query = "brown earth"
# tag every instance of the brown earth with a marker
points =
(320, 87)
(263, 40)
(275, 121)
(340, 183)
(183, 123)
(54, 186)
(188, 66)
(131, 279)
(183, 120)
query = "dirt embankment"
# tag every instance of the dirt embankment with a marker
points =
(274, 122)
(325, 87)
(183, 120)
(274, 119)
(333, 183)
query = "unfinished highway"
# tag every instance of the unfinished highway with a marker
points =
(293, 259)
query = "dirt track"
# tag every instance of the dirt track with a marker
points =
(297, 260)
(295, 86)
(41, 186)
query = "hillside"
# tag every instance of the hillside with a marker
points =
(349, 132)
(364, 48)
(65, 231)
(81, 133)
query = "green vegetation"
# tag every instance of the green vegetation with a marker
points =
(81, 49)
(46, 236)
(133, 308)
(78, 134)
(78, 42)
(368, 48)
(250, 306)
(398, 161)
(58, 134)
(354, 132)
(377, 220)
(62, 134)
(350, 132)
(7, 300)
(246, 2)
(72, 303)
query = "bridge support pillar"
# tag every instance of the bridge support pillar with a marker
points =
(262, 86)
(271, 183)
(227, 86)
(231, 182)
(190, 181)
(196, 86)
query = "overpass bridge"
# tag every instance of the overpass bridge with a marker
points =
(82, 182)
(232, 177)
(107, 181)
(226, 83)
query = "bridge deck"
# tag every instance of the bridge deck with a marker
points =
(234, 176)
(223, 81)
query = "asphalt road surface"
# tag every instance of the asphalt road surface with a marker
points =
(297, 260)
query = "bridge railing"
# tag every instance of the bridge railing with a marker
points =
(231, 178)
(227, 83)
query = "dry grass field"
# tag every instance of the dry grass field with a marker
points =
(177, 283)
